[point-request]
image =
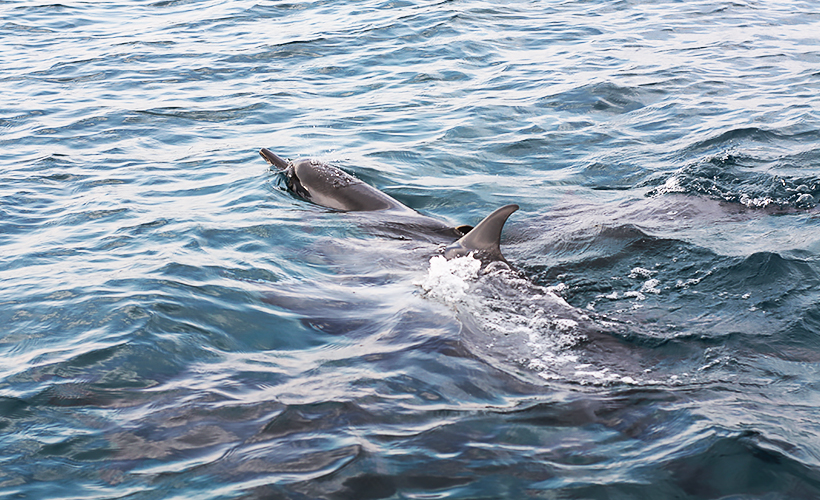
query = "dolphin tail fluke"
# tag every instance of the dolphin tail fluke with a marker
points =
(485, 239)
(274, 160)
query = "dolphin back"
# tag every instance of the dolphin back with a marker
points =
(484, 240)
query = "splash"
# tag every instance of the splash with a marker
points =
(513, 323)
(448, 280)
(517, 321)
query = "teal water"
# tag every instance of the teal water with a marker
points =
(176, 324)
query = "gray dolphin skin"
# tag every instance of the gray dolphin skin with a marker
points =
(485, 239)
(330, 187)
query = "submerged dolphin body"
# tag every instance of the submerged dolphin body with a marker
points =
(330, 187)
(516, 326)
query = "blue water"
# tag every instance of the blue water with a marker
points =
(175, 324)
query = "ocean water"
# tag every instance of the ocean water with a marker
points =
(175, 324)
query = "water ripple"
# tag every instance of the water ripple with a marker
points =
(175, 321)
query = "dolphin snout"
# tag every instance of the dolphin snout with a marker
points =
(274, 160)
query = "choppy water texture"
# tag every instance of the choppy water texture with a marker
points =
(175, 324)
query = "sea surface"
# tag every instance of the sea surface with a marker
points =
(175, 324)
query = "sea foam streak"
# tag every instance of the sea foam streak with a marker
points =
(519, 321)
(510, 319)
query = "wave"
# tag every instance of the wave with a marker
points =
(735, 179)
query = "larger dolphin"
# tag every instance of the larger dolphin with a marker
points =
(330, 187)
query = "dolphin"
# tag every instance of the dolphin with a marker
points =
(327, 186)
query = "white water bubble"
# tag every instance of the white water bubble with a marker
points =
(514, 321)
(651, 286)
(640, 272)
(448, 280)
(672, 185)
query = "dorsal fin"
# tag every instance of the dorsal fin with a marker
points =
(274, 160)
(485, 238)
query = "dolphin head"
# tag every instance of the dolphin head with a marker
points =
(328, 186)
(290, 170)
(323, 184)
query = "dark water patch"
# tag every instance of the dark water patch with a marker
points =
(297, 49)
(599, 98)
(211, 115)
(125, 368)
(81, 218)
(522, 148)
(743, 464)
(173, 3)
(603, 247)
(746, 138)
(375, 486)
(90, 359)
(661, 284)
(797, 339)
(426, 78)
(306, 476)
(761, 270)
(617, 175)
(15, 27)
(12, 409)
(313, 419)
(73, 396)
(145, 227)
(341, 326)
(77, 450)
(638, 413)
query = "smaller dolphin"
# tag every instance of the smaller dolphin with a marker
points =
(330, 187)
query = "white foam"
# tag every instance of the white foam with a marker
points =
(640, 272)
(672, 185)
(651, 286)
(692, 281)
(756, 202)
(523, 323)
(448, 280)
